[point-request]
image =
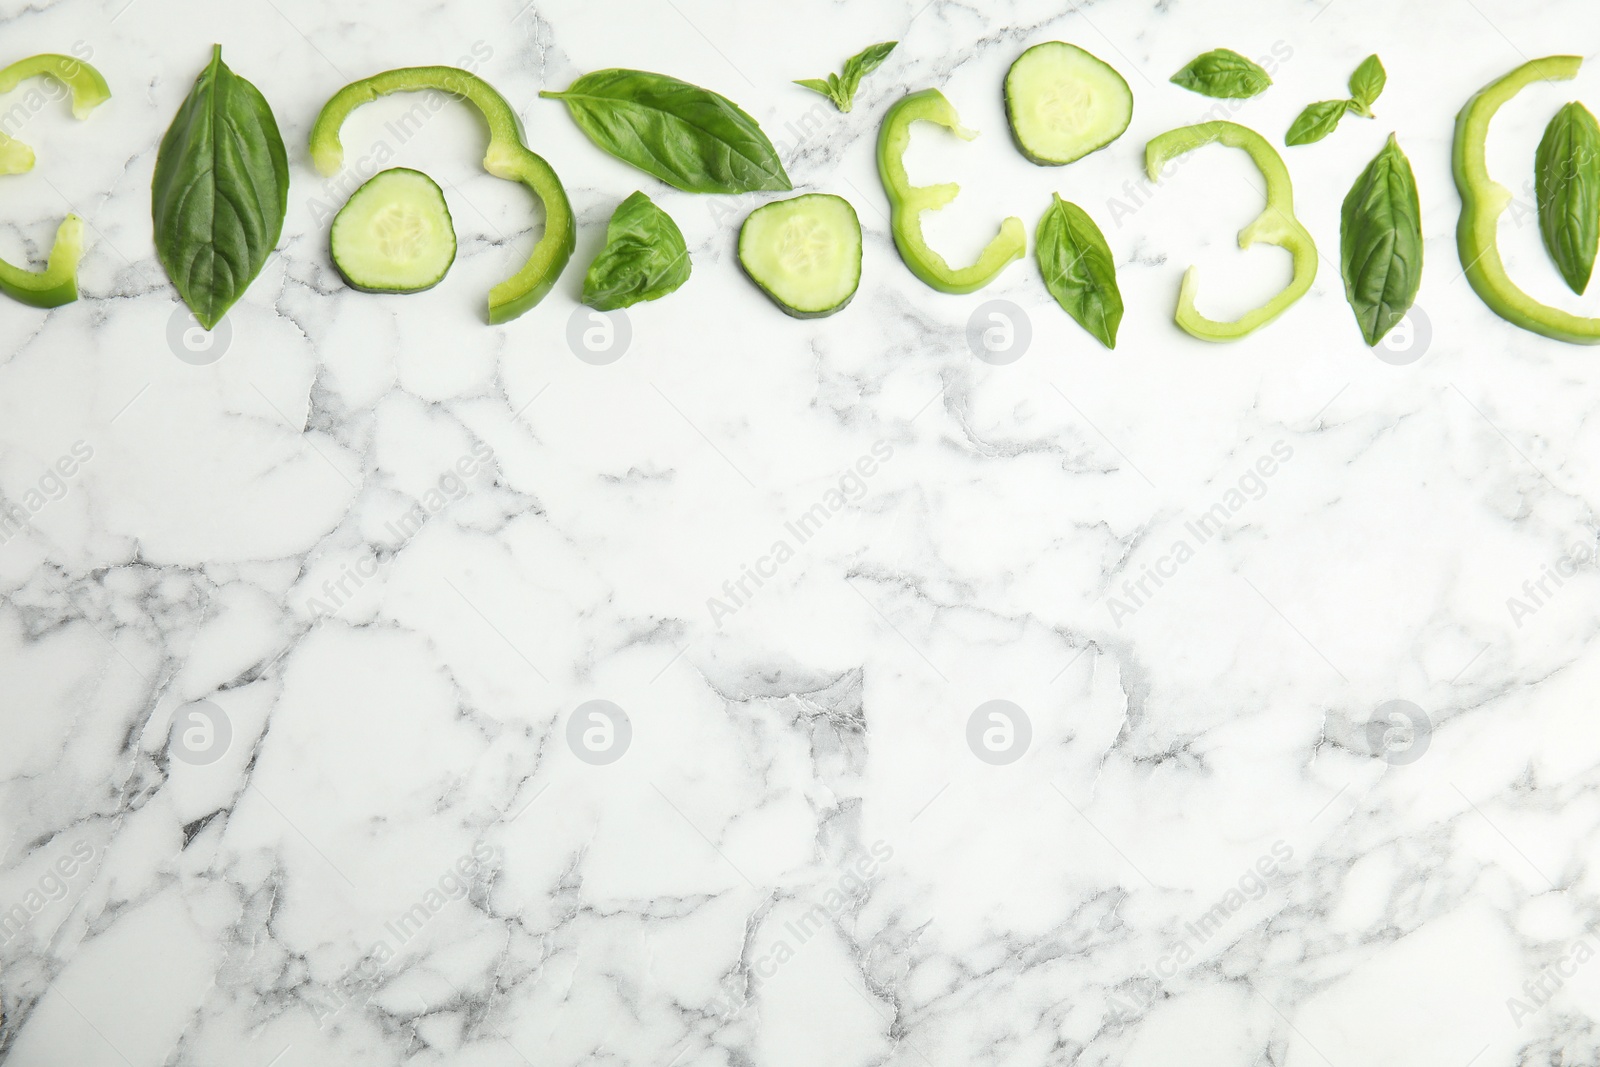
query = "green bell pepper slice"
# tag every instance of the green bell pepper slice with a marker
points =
(1276, 225)
(907, 202)
(508, 157)
(57, 284)
(1483, 200)
(88, 88)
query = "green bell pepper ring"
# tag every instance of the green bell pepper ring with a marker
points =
(1276, 225)
(1483, 200)
(907, 202)
(88, 88)
(508, 157)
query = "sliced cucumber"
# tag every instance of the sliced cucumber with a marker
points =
(394, 234)
(1064, 103)
(804, 253)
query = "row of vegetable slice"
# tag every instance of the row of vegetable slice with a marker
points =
(220, 193)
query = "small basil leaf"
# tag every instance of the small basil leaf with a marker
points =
(1223, 73)
(1078, 269)
(691, 138)
(1567, 183)
(1366, 84)
(644, 257)
(1316, 122)
(816, 85)
(220, 191)
(1380, 242)
(842, 87)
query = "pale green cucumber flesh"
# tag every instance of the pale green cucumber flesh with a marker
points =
(394, 234)
(1064, 103)
(804, 253)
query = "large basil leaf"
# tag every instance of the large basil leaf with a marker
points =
(1078, 269)
(644, 257)
(691, 138)
(841, 88)
(220, 191)
(1316, 121)
(1224, 73)
(1380, 242)
(1567, 184)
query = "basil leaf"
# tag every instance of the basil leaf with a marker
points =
(1316, 122)
(1223, 72)
(1380, 242)
(1078, 269)
(644, 257)
(220, 191)
(841, 88)
(1566, 175)
(1366, 84)
(691, 138)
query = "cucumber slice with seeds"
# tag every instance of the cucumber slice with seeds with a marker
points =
(804, 253)
(394, 234)
(1064, 103)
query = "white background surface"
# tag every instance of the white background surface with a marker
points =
(631, 913)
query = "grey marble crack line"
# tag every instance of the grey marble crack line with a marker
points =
(710, 42)
(498, 632)
(1289, 1023)
(303, 436)
(1491, 824)
(703, 836)
(484, 1018)
(703, 436)
(1295, 628)
(43, 573)
(1101, 432)
(895, 628)
(128, 405)
(1103, 836)
(1503, 437)
(290, 823)
(929, 804)
(89, 1022)
(671, 661)
(877, 1008)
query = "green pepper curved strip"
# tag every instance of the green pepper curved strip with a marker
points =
(1483, 200)
(907, 202)
(57, 284)
(508, 157)
(88, 88)
(1276, 225)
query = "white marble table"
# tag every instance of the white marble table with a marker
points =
(296, 745)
